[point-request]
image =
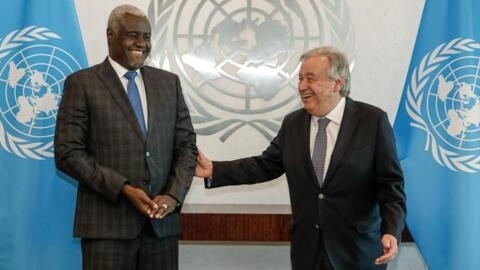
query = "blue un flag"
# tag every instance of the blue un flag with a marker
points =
(438, 133)
(40, 44)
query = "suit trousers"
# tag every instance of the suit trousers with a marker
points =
(147, 251)
(322, 262)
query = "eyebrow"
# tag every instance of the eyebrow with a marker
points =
(309, 74)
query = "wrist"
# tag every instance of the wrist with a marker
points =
(126, 189)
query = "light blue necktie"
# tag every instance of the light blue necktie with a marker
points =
(319, 150)
(134, 96)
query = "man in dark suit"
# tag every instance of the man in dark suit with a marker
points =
(348, 207)
(134, 163)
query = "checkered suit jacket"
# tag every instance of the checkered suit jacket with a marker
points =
(98, 142)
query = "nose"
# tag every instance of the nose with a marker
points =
(302, 85)
(140, 41)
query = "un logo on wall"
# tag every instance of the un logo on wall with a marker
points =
(239, 59)
(444, 101)
(31, 82)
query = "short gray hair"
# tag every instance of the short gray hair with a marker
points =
(116, 21)
(339, 67)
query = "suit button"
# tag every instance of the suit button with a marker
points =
(145, 182)
(317, 227)
(321, 196)
(147, 154)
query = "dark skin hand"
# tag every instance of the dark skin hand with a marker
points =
(156, 208)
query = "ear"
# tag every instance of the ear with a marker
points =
(339, 84)
(110, 35)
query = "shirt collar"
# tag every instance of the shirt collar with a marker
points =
(119, 69)
(336, 114)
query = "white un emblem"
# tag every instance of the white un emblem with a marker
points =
(238, 60)
(447, 82)
(31, 82)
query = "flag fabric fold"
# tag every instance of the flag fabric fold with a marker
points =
(40, 44)
(438, 135)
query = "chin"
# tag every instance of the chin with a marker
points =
(136, 62)
(308, 109)
(136, 65)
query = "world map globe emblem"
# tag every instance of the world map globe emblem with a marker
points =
(453, 104)
(443, 101)
(31, 82)
(250, 49)
(240, 59)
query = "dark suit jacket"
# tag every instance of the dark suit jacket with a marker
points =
(362, 196)
(98, 142)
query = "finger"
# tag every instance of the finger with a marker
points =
(202, 159)
(152, 208)
(148, 211)
(382, 259)
(390, 249)
(162, 211)
(166, 210)
(388, 256)
(387, 243)
(161, 214)
(200, 156)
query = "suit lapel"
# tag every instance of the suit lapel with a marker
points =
(113, 84)
(305, 126)
(347, 129)
(152, 98)
(148, 78)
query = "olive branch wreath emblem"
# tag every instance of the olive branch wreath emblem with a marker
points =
(419, 79)
(21, 147)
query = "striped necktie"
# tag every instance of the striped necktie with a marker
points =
(319, 149)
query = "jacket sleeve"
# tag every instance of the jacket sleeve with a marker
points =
(71, 143)
(389, 178)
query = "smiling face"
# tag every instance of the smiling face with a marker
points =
(131, 44)
(319, 92)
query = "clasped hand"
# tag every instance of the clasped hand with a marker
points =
(156, 208)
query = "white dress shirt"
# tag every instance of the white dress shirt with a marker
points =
(120, 70)
(335, 116)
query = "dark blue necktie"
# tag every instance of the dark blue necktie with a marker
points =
(134, 96)
(319, 149)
